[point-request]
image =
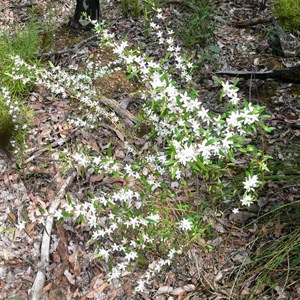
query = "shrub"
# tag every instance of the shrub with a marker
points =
(288, 12)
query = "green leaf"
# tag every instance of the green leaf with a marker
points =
(214, 48)
(132, 74)
(266, 128)
(69, 199)
(9, 75)
(212, 141)
(251, 148)
(194, 166)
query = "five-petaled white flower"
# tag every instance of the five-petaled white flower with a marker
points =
(250, 183)
(185, 225)
(235, 211)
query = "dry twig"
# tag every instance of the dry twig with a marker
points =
(71, 50)
(125, 114)
(36, 290)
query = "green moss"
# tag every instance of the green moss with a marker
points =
(288, 12)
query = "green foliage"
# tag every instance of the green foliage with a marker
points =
(25, 44)
(288, 12)
(199, 27)
(138, 8)
(278, 259)
(16, 80)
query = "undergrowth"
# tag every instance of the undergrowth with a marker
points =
(155, 208)
(274, 253)
(198, 24)
(17, 51)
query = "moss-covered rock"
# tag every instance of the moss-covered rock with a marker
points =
(288, 12)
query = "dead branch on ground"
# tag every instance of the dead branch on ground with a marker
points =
(37, 287)
(71, 50)
(252, 22)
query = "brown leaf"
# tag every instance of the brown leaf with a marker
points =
(62, 247)
(94, 145)
(47, 287)
(97, 178)
(76, 267)
(119, 135)
(12, 218)
(56, 257)
(50, 195)
(182, 296)
(30, 229)
(119, 154)
(90, 295)
(114, 294)
(103, 287)
(291, 117)
(46, 132)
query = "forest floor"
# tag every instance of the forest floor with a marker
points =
(234, 268)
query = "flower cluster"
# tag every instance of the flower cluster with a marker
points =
(180, 117)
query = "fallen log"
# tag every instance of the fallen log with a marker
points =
(285, 75)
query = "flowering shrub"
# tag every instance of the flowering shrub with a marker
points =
(144, 212)
(198, 142)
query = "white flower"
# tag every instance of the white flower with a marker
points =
(97, 160)
(235, 211)
(234, 119)
(186, 154)
(250, 183)
(141, 286)
(226, 87)
(247, 200)
(185, 225)
(120, 48)
(234, 99)
(249, 117)
(160, 16)
(58, 214)
(132, 255)
(115, 274)
(104, 253)
(21, 225)
(154, 218)
(154, 25)
(230, 90)
(171, 253)
(156, 81)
